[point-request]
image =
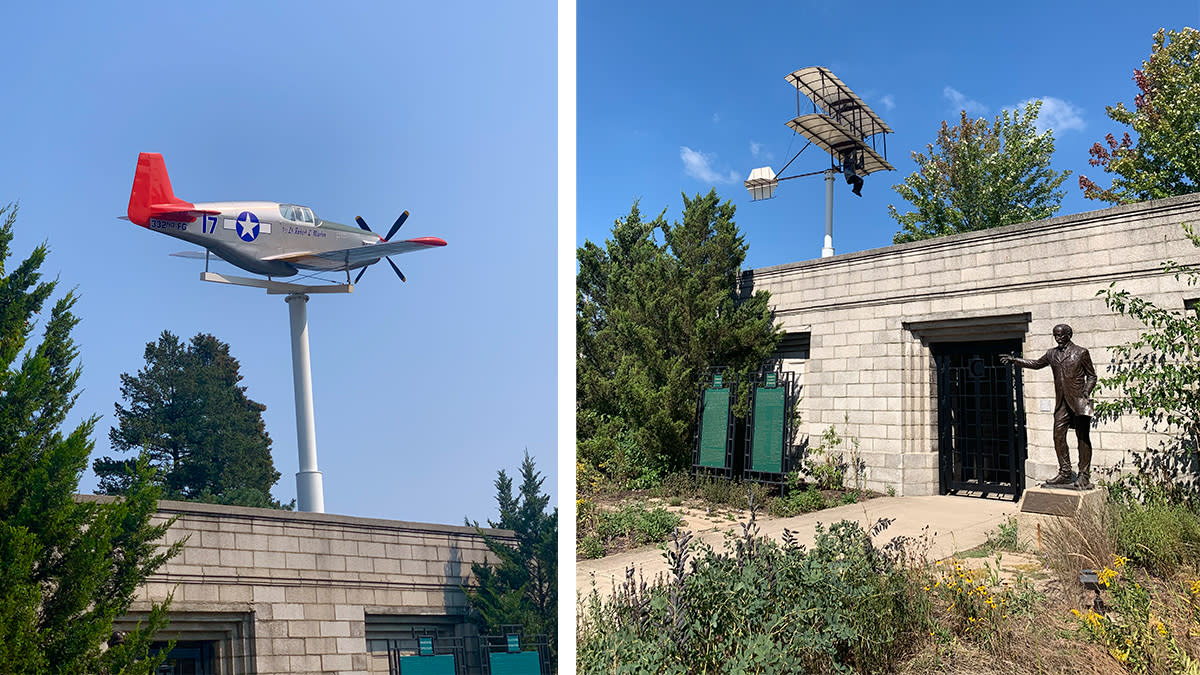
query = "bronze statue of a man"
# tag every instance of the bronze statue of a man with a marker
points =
(1074, 379)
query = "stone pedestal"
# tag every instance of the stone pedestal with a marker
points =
(1041, 507)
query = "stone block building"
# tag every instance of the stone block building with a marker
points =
(898, 347)
(273, 592)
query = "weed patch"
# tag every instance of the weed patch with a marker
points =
(600, 531)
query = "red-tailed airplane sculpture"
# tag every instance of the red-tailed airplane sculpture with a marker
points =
(269, 238)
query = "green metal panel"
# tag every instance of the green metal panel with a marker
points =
(520, 663)
(714, 427)
(442, 664)
(769, 409)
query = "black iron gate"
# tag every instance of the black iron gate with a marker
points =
(981, 418)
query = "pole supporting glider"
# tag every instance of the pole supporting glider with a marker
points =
(310, 493)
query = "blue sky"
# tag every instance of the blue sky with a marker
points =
(683, 97)
(423, 390)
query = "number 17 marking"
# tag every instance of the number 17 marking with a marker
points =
(208, 225)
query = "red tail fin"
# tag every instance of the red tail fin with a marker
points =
(152, 194)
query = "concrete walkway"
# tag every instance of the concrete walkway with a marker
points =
(955, 524)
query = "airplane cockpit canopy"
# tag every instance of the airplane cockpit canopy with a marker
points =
(298, 214)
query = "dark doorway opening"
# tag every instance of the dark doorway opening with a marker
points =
(187, 658)
(981, 418)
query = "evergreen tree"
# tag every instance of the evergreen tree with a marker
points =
(980, 176)
(1166, 117)
(651, 319)
(523, 588)
(68, 567)
(190, 416)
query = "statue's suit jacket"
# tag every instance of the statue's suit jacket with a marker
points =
(1074, 376)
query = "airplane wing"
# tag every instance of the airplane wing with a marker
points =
(351, 257)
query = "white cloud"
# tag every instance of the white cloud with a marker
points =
(1056, 114)
(699, 166)
(888, 101)
(961, 102)
(756, 151)
(716, 117)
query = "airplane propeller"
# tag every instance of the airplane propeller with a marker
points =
(395, 228)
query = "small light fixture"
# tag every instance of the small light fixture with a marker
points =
(761, 183)
(1091, 581)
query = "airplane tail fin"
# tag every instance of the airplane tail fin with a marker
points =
(152, 195)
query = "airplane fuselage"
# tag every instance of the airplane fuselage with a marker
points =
(268, 238)
(261, 237)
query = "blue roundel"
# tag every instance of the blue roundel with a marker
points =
(247, 226)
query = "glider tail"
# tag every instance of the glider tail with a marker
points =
(152, 195)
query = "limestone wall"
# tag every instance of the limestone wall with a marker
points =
(287, 592)
(873, 314)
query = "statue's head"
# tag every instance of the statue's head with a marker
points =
(1062, 333)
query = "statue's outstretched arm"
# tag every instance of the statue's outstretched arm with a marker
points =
(1025, 363)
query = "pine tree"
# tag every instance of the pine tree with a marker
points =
(190, 416)
(68, 567)
(652, 318)
(523, 588)
(979, 176)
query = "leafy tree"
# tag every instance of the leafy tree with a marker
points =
(69, 567)
(652, 318)
(194, 421)
(979, 176)
(1157, 377)
(1166, 118)
(523, 588)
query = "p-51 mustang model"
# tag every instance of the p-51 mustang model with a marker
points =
(277, 240)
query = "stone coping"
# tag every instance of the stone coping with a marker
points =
(1071, 221)
(170, 507)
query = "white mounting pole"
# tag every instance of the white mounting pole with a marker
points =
(310, 494)
(827, 250)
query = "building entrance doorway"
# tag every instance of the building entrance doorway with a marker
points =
(187, 658)
(980, 418)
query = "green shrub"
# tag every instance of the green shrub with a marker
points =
(833, 458)
(1008, 539)
(656, 525)
(591, 546)
(829, 473)
(734, 494)
(677, 484)
(716, 490)
(796, 500)
(1157, 536)
(760, 606)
